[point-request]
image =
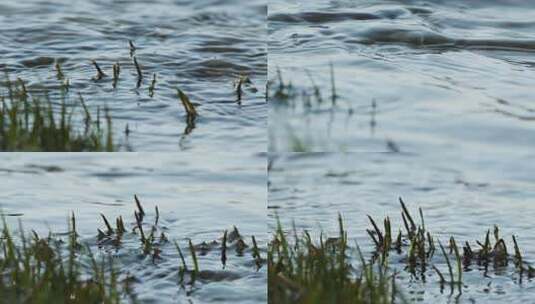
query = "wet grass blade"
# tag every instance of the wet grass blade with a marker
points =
(224, 249)
(195, 262)
(152, 86)
(380, 240)
(256, 254)
(186, 103)
(116, 72)
(446, 257)
(108, 226)
(184, 265)
(408, 215)
(132, 47)
(59, 72)
(100, 73)
(333, 87)
(139, 73)
(139, 206)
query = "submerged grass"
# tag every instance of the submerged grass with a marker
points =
(306, 102)
(309, 118)
(304, 271)
(27, 123)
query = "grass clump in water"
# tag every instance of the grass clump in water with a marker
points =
(35, 270)
(29, 124)
(62, 270)
(304, 271)
(153, 242)
(419, 247)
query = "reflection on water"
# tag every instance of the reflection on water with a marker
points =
(199, 46)
(461, 196)
(198, 197)
(438, 72)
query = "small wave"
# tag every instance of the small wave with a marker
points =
(427, 38)
(38, 62)
(319, 17)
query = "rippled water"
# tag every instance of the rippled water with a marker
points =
(436, 95)
(199, 46)
(461, 196)
(451, 76)
(198, 197)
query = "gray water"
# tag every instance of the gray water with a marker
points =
(198, 46)
(198, 196)
(436, 98)
(450, 76)
(437, 95)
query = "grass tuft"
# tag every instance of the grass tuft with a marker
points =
(304, 271)
(27, 123)
(34, 272)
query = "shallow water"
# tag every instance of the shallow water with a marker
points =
(198, 197)
(445, 75)
(199, 46)
(435, 95)
(461, 196)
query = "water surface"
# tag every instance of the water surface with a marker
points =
(451, 76)
(199, 46)
(435, 96)
(198, 196)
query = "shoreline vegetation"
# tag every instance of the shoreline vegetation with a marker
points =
(63, 268)
(27, 123)
(303, 270)
(31, 121)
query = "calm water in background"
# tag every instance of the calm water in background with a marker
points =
(199, 196)
(450, 76)
(199, 46)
